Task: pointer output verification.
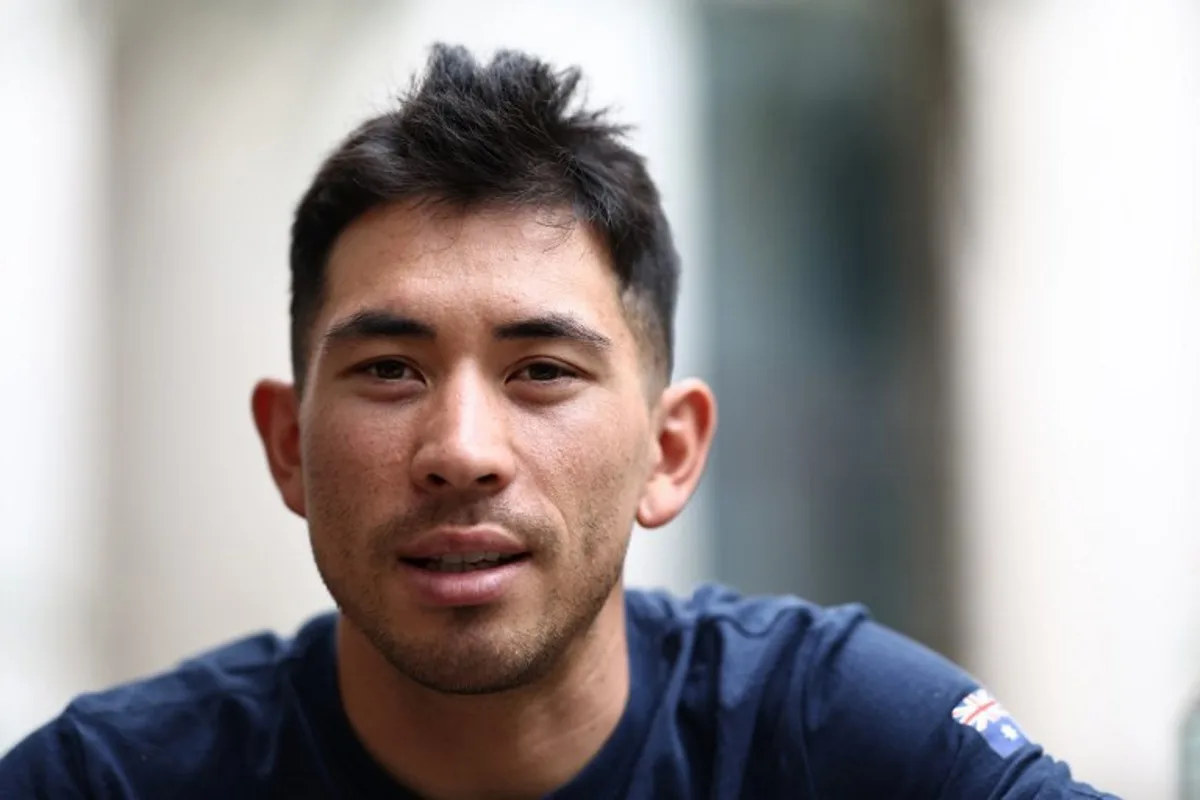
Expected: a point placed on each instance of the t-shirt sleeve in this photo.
(879, 715)
(45, 765)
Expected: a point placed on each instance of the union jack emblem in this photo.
(978, 710)
(983, 714)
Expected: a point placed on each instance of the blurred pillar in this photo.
(221, 111)
(1079, 368)
(53, 120)
(831, 470)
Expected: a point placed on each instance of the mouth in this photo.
(451, 580)
(466, 562)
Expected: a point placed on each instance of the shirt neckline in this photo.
(359, 775)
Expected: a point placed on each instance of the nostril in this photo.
(490, 481)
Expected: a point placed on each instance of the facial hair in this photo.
(482, 650)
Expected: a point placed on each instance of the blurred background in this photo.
(942, 269)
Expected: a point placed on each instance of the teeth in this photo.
(471, 558)
(464, 562)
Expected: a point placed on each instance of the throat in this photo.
(523, 743)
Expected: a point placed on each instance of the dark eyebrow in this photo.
(370, 324)
(378, 325)
(554, 326)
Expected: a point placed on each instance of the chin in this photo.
(474, 664)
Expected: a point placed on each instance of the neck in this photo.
(521, 743)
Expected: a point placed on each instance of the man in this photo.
(484, 289)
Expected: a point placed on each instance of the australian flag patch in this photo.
(983, 713)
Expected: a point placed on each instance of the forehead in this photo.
(486, 263)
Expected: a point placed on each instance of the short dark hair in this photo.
(507, 133)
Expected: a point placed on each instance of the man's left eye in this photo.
(545, 372)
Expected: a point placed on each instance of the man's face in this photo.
(474, 387)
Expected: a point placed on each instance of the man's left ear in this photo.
(687, 420)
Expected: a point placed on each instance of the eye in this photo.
(389, 369)
(546, 372)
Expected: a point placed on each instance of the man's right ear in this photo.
(276, 410)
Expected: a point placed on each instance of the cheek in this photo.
(351, 455)
(592, 460)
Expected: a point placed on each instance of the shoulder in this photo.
(716, 604)
(818, 651)
(162, 727)
(927, 727)
(772, 629)
(827, 701)
(230, 682)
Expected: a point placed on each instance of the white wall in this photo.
(1079, 318)
(225, 115)
(54, 382)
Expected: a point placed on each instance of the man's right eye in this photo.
(388, 370)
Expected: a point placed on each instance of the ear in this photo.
(277, 417)
(687, 421)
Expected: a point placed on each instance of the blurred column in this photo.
(829, 303)
(53, 112)
(221, 110)
(1079, 323)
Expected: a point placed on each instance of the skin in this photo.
(559, 434)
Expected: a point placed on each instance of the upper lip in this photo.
(458, 541)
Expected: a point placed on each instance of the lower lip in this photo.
(475, 588)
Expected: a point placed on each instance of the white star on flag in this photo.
(1009, 732)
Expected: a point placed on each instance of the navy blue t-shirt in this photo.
(732, 697)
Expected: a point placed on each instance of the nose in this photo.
(464, 443)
